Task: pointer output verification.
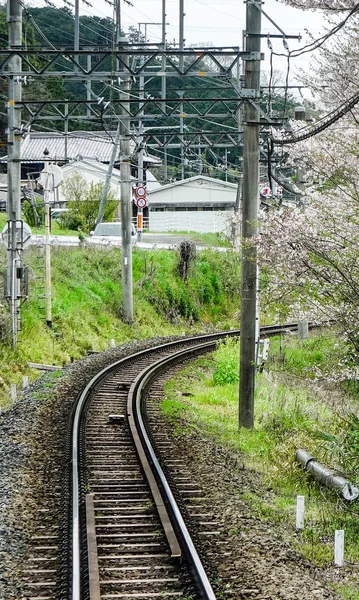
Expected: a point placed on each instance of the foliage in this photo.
(5, 323)
(34, 213)
(226, 362)
(311, 261)
(211, 289)
(83, 201)
(87, 304)
(289, 414)
(186, 254)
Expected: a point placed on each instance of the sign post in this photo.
(141, 203)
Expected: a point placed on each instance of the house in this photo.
(198, 203)
(63, 148)
(86, 152)
(92, 172)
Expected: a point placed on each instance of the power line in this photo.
(321, 125)
(320, 41)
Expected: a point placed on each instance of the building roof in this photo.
(92, 145)
(197, 179)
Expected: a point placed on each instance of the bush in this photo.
(34, 215)
(226, 361)
(83, 201)
(187, 253)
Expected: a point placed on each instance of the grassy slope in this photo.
(87, 304)
(291, 411)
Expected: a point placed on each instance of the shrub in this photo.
(226, 361)
(84, 199)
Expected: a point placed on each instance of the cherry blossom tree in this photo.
(327, 5)
(309, 257)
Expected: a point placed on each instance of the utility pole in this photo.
(249, 218)
(14, 224)
(47, 188)
(181, 30)
(126, 203)
(163, 81)
(77, 29)
(181, 94)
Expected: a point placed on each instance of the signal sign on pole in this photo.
(140, 191)
(266, 191)
(141, 202)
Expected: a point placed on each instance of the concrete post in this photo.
(250, 206)
(126, 203)
(13, 260)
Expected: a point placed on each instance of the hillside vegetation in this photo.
(87, 304)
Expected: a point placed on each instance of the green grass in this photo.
(55, 230)
(288, 415)
(87, 304)
(55, 227)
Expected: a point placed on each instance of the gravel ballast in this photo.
(258, 559)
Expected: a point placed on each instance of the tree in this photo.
(310, 257)
(83, 200)
(309, 260)
(332, 6)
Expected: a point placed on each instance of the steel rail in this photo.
(75, 552)
(135, 417)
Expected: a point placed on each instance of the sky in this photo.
(217, 22)
(221, 23)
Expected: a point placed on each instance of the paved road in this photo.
(149, 240)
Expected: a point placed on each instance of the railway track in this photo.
(124, 531)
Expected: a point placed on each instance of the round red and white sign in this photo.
(140, 191)
(141, 202)
(266, 191)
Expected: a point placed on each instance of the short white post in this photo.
(13, 392)
(303, 329)
(339, 548)
(25, 382)
(300, 513)
(112, 343)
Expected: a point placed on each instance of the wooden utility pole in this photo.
(250, 206)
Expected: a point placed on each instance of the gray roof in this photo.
(94, 145)
(182, 182)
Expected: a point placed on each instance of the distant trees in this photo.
(83, 200)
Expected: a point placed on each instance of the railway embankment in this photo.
(258, 550)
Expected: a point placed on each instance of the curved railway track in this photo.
(125, 528)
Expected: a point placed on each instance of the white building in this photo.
(198, 204)
(94, 172)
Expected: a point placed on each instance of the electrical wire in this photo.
(321, 125)
(286, 88)
(320, 41)
(83, 25)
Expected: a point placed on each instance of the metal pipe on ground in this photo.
(327, 476)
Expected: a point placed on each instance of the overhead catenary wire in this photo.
(321, 125)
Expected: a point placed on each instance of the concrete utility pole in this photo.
(163, 81)
(77, 28)
(250, 206)
(181, 94)
(47, 188)
(13, 260)
(126, 202)
(181, 30)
